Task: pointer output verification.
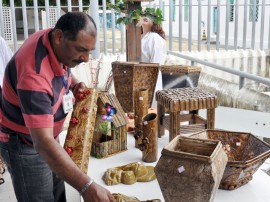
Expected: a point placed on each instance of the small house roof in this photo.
(120, 118)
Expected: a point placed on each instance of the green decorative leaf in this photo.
(154, 13)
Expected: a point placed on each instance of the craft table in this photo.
(257, 190)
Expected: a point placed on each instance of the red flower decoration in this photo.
(85, 110)
(74, 121)
(80, 96)
(70, 136)
(69, 150)
(88, 92)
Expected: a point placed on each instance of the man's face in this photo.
(71, 53)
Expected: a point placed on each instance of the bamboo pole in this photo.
(140, 110)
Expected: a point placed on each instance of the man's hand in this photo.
(96, 193)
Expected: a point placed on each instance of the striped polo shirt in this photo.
(33, 88)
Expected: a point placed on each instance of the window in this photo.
(173, 14)
(215, 20)
(251, 12)
(163, 9)
(231, 10)
(186, 10)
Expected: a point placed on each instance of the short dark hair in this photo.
(73, 22)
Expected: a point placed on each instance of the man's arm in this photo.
(60, 162)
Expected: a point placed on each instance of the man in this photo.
(35, 81)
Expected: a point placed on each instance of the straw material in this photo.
(131, 76)
(246, 153)
(81, 128)
(190, 169)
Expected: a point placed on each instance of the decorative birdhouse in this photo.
(110, 136)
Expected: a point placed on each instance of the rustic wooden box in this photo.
(179, 76)
(190, 169)
(246, 153)
(131, 76)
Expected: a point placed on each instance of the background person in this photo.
(35, 81)
(5, 56)
(153, 44)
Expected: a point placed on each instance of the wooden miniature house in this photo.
(111, 138)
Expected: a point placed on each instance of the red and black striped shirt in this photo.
(33, 88)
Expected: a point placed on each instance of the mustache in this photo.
(77, 61)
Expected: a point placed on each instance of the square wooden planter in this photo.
(246, 153)
(190, 169)
(129, 77)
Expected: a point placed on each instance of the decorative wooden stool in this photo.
(178, 100)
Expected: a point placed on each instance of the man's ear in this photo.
(58, 36)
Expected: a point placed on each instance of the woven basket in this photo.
(131, 76)
(179, 76)
(190, 169)
(246, 153)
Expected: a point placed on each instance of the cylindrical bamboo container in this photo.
(149, 140)
(140, 110)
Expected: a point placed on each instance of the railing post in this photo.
(1, 20)
(94, 14)
(241, 82)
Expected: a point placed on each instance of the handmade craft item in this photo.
(246, 153)
(129, 174)
(110, 136)
(171, 104)
(131, 76)
(149, 144)
(190, 169)
(123, 198)
(81, 128)
(140, 110)
(2, 170)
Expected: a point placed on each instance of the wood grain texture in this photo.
(190, 169)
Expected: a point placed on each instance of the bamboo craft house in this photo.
(115, 140)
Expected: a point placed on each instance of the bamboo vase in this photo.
(149, 141)
(140, 110)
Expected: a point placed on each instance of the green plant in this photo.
(103, 128)
(132, 15)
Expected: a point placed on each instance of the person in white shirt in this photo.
(153, 44)
(5, 56)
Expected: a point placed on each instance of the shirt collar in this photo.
(57, 67)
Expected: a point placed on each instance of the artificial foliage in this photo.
(132, 15)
